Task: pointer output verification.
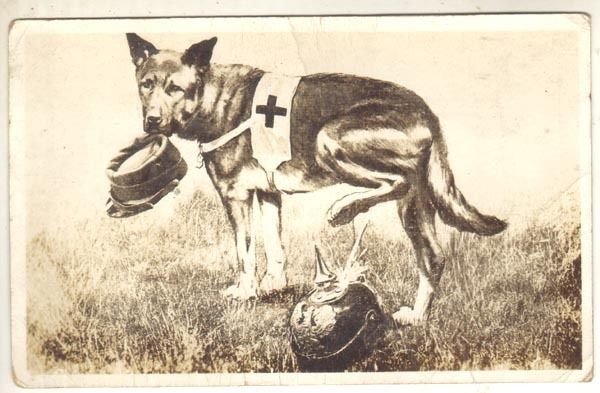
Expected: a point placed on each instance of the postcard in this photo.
(300, 200)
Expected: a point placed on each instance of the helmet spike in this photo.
(323, 275)
(354, 252)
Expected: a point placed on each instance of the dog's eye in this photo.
(147, 84)
(172, 89)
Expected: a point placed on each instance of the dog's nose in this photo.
(153, 120)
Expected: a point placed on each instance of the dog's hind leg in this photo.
(418, 218)
(239, 212)
(270, 206)
(366, 151)
(347, 208)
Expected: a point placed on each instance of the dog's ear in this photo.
(199, 54)
(139, 48)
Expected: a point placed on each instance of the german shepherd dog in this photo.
(367, 133)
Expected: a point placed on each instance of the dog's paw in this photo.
(407, 316)
(341, 214)
(273, 282)
(240, 292)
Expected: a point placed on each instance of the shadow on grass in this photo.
(286, 296)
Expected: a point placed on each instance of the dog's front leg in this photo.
(239, 212)
(270, 206)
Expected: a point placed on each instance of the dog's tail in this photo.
(451, 205)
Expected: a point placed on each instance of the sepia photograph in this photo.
(300, 200)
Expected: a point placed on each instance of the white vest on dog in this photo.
(269, 122)
(271, 110)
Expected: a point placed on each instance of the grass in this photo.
(111, 295)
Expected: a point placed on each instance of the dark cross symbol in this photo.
(270, 111)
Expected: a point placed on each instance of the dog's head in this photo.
(169, 82)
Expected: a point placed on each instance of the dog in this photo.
(367, 133)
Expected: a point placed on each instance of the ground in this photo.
(105, 295)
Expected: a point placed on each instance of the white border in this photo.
(216, 25)
(78, 8)
(300, 24)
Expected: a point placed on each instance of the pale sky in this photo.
(508, 102)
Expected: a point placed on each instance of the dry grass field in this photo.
(106, 296)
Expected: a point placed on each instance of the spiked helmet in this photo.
(338, 321)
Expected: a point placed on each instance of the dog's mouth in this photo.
(159, 129)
